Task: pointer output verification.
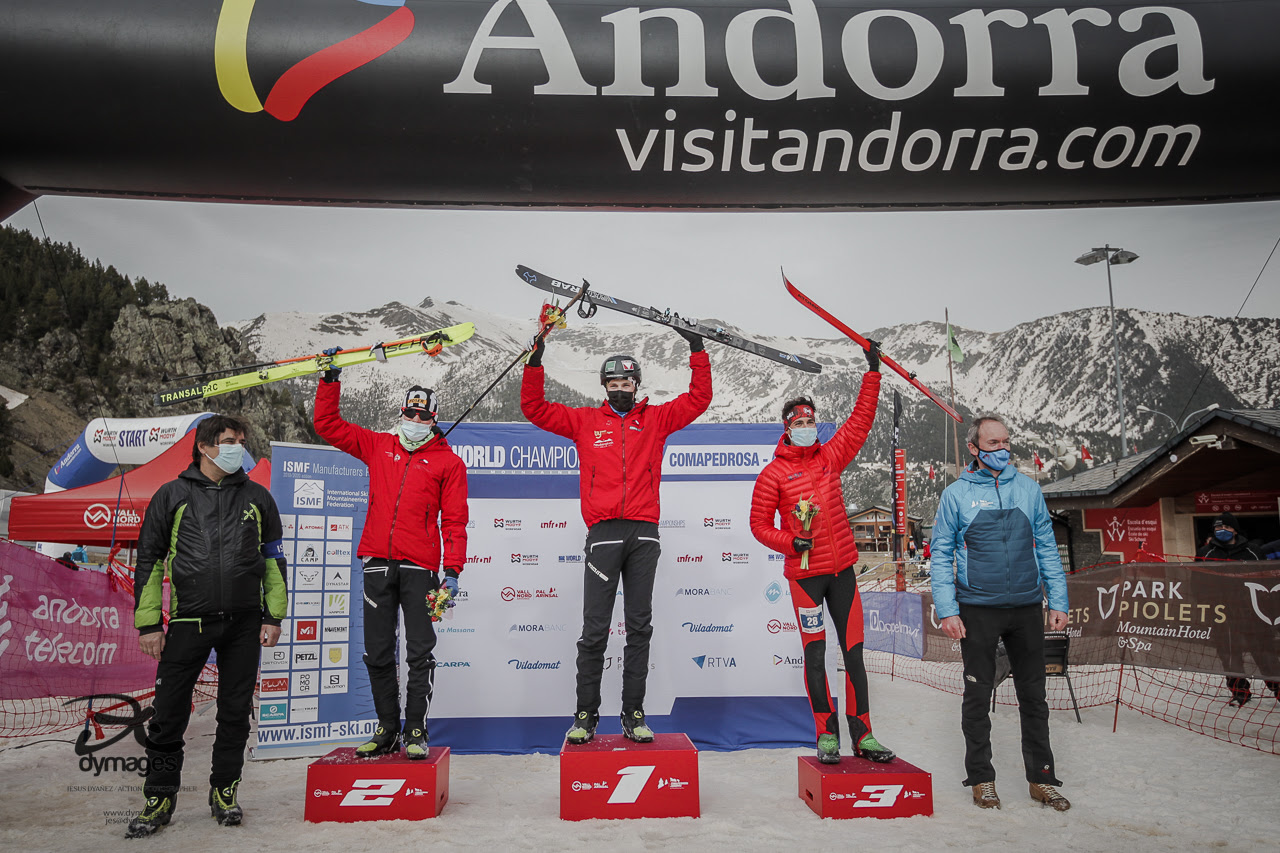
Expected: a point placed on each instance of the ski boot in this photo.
(385, 739)
(828, 748)
(415, 742)
(223, 805)
(870, 749)
(583, 728)
(156, 813)
(634, 728)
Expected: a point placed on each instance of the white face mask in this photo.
(804, 436)
(415, 430)
(229, 459)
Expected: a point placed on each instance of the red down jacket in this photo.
(619, 457)
(417, 501)
(813, 473)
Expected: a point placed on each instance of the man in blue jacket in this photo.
(995, 559)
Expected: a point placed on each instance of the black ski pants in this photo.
(187, 645)
(624, 550)
(391, 586)
(1022, 629)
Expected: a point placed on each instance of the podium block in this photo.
(612, 777)
(344, 788)
(859, 788)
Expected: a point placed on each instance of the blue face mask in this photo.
(996, 460)
(229, 458)
(1223, 535)
(804, 436)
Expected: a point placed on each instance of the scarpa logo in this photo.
(453, 663)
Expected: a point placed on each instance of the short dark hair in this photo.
(208, 430)
(798, 401)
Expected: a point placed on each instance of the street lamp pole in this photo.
(1110, 256)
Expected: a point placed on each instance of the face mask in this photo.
(414, 430)
(229, 458)
(804, 436)
(996, 460)
(1223, 535)
(622, 401)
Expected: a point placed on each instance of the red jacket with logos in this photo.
(619, 456)
(813, 473)
(417, 501)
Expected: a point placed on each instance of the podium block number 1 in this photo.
(632, 783)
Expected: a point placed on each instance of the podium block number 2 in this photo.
(372, 792)
(631, 784)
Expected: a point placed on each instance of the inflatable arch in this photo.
(109, 442)
(544, 103)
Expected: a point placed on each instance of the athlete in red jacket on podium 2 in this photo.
(820, 561)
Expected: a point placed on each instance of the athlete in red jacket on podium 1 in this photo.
(620, 445)
(416, 523)
(804, 469)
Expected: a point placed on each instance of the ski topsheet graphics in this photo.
(592, 298)
(430, 343)
(865, 344)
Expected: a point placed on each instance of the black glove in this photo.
(537, 345)
(873, 356)
(694, 339)
(801, 545)
(331, 375)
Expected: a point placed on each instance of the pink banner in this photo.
(63, 632)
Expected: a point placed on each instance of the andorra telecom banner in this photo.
(726, 657)
(691, 103)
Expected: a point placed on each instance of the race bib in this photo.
(810, 619)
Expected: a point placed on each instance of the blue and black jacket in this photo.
(993, 545)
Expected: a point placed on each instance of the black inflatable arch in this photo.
(688, 104)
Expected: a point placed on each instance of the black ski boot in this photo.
(385, 739)
(633, 726)
(583, 728)
(156, 813)
(223, 805)
(415, 742)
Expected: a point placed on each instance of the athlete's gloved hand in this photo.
(536, 346)
(873, 356)
(451, 584)
(801, 544)
(694, 339)
(331, 375)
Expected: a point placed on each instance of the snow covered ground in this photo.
(1149, 787)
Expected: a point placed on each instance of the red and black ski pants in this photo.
(839, 592)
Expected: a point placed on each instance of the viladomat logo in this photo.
(296, 86)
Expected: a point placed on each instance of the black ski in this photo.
(592, 298)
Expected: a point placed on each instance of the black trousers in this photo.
(391, 587)
(186, 651)
(624, 550)
(1022, 629)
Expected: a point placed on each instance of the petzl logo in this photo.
(1107, 600)
(295, 87)
(1254, 589)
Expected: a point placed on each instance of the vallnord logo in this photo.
(304, 79)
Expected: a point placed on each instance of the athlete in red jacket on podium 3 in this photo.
(804, 469)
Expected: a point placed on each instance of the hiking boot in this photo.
(985, 796)
(1047, 795)
(634, 728)
(583, 728)
(828, 748)
(156, 813)
(870, 749)
(223, 805)
(385, 739)
(415, 743)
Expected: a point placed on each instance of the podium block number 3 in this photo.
(879, 795)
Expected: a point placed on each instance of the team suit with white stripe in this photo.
(416, 522)
(620, 470)
(995, 560)
(813, 473)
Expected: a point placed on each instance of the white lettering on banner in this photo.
(98, 516)
(879, 625)
(717, 459)
(57, 610)
(482, 455)
(55, 650)
(632, 783)
(544, 457)
(372, 792)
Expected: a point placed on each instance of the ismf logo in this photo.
(299, 83)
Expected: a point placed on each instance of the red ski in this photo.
(865, 344)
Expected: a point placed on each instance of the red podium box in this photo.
(343, 788)
(612, 777)
(859, 788)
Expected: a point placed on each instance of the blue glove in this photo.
(451, 584)
(331, 375)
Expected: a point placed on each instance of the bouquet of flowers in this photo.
(438, 601)
(805, 510)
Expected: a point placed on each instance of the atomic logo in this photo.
(299, 83)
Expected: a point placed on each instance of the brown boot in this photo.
(985, 796)
(1047, 795)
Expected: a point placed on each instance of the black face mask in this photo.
(622, 401)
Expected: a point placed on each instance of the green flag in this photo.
(952, 344)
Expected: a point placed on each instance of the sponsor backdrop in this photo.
(726, 661)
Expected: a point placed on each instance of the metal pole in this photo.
(1115, 342)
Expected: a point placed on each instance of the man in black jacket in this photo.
(216, 535)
